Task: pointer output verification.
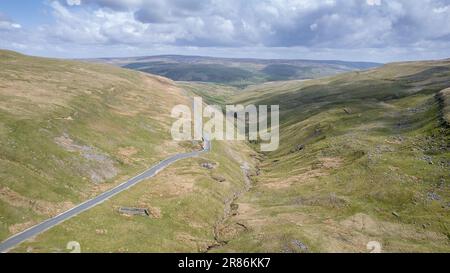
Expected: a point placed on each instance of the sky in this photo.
(353, 30)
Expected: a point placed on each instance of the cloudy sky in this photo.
(370, 30)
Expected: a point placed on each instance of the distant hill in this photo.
(234, 71)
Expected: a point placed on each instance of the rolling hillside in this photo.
(364, 156)
(70, 130)
(236, 72)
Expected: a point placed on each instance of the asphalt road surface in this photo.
(39, 228)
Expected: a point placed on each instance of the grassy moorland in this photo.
(70, 130)
(188, 205)
(212, 93)
(364, 156)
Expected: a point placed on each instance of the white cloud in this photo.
(100, 26)
(271, 23)
(73, 2)
(281, 25)
(6, 24)
(442, 9)
(373, 2)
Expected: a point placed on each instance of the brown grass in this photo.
(40, 207)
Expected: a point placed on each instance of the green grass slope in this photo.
(212, 93)
(69, 130)
(188, 205)
(364, 157)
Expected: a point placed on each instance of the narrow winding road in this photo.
(39, 228)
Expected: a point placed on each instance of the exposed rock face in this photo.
(97, 166)
(443, 99)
